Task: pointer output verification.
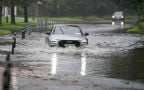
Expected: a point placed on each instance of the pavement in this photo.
(1, 77)
(5, 42)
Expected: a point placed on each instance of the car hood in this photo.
(67, 37)
(118, 16)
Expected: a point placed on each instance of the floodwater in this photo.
(111, 60)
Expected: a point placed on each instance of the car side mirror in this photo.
(48, 33)
(86, 34)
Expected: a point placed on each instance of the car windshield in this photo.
(118, 13)
(67, 30)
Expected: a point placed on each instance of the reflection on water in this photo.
(83, 64)
(129, 67)
(121, 26)
(54, 63)
(67, 64)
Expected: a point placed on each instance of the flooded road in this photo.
(111, 61)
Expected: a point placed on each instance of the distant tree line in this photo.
(75, 7)
(91, 7)
(136, 6)
(80, 7)
(12, 4)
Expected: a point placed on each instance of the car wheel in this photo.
(51, 45)
(61, 44)
(77, 44)
(87, 41)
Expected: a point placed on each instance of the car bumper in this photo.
(57, 43)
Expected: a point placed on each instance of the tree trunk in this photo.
(25, 14)
(7, 19)
(0, 15)
(12, 14)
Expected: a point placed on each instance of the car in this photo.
(118, 16)
(66, 35)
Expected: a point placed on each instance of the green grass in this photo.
(139, 27)
(77, 18)
(4, 32)
(131, 17)
(6, 28)
(11, 26)
(63, 18)
(20, 22)
(72, 19)
(98, 18)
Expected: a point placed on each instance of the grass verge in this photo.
(4, 32)
(137, 28)
(7, 28)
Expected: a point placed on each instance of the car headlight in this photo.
(54, 40)
(113, 16)
(84, 41)
(122, 17)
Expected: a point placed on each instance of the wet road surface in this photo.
(111, 61)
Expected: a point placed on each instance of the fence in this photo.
(48, 23)
(8, 65)
(28, 28)
(45, 23)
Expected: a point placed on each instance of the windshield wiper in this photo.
(61, 30)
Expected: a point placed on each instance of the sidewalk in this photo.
(1, 77)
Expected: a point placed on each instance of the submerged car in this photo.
(118, 16)
(66, 35)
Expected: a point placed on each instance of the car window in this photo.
(118, 13)
(67, 30)
(58, 30)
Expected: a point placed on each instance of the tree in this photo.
(25, 14)
(0, 12)
(25, 4)
(2, 2)
(142, 9)
(12, 13)
(136, 5)
(12, 4)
